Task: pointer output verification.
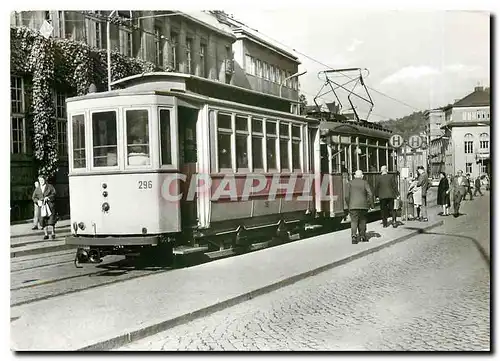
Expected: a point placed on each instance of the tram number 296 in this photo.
(145, 184)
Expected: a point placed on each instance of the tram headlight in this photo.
(105, 207)
(104, 186)
(105, 194)
(81, 225)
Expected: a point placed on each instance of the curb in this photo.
(124, 339)
(39, 232)
(30, 252)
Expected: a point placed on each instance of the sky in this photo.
(423, 59)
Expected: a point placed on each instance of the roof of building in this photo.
(243, 31)
(209, 21)
(480, 97)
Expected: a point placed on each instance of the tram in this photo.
(176, 164)
(184, 164)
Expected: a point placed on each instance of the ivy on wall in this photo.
(60, 62)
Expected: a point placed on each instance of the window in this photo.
(296, 147)
(104, 139)
(382, 157)
(372, 159)
(241, 142)
(248, 64)
(469, 143)
(284, 140)
(128, 36)
(189, 56)
(17, 123)
(254, 66)
(203, 67)
(165, 138)
(159, 46)
(224, 131)
(272, 74)
(257, 139)
(174, 45)
(484, 141)
(278, 76)
(78, 129)
(137, 137)
(259, 68)
(271, 145)
(468, 167)
(100, 35)
(265, 70)
(62, 124)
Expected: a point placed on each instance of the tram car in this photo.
(176, 164)
(347, 145)
(185, 164)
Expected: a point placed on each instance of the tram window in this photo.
(271, 153)
(271, 128)
(258, 161)
(362, 159)
(165, 136)
(381, 157)
(296, 155)
(224, 144)
(241, 123)
(257, 125)
(354, 158)
(284, 155)
(284, 131)
(137, 137)
(79, 141)
(224, 121)
(372, 159)
(241, 151)
(104, 139)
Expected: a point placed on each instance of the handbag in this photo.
(45, 210)
(397, 204)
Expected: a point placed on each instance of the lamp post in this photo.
(108, 41)
(290, 77)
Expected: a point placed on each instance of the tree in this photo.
(302, 104)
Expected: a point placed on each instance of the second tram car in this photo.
(176, 164)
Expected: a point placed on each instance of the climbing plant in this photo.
(53, 63)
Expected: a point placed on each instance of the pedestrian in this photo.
(443, 196)
(450, 189)
(416, 193)
(48, 211)
(459, 184)
(359, 199)
(423, 183)
(477, 184)
(37, 202)
(468, 188)
(386, 190)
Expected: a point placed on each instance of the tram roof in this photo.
(353, 128)
(194, 84)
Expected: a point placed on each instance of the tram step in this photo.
(182, 250)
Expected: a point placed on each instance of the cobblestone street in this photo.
(430, 292)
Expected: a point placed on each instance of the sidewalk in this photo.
(110, 316)
(25, 229)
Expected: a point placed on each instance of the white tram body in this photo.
(131, 150)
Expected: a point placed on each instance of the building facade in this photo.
(465, 144)
(260, 65)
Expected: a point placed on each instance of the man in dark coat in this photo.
(359, 199)
(477, 184)
(386, 190)
(459, 185)
(423, 181)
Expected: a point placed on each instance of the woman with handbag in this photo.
(47, 207)
(443, 195)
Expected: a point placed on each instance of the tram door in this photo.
(187, 118)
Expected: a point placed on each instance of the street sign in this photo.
(46, 29)
(415, 141)
(396, 140)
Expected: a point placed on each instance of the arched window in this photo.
(468, 143)
(484, 141)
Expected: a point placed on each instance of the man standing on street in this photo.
(459, 184)
(423, 181)
(469, 186)
(386, 190)
(359, 199)
(477, 185)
